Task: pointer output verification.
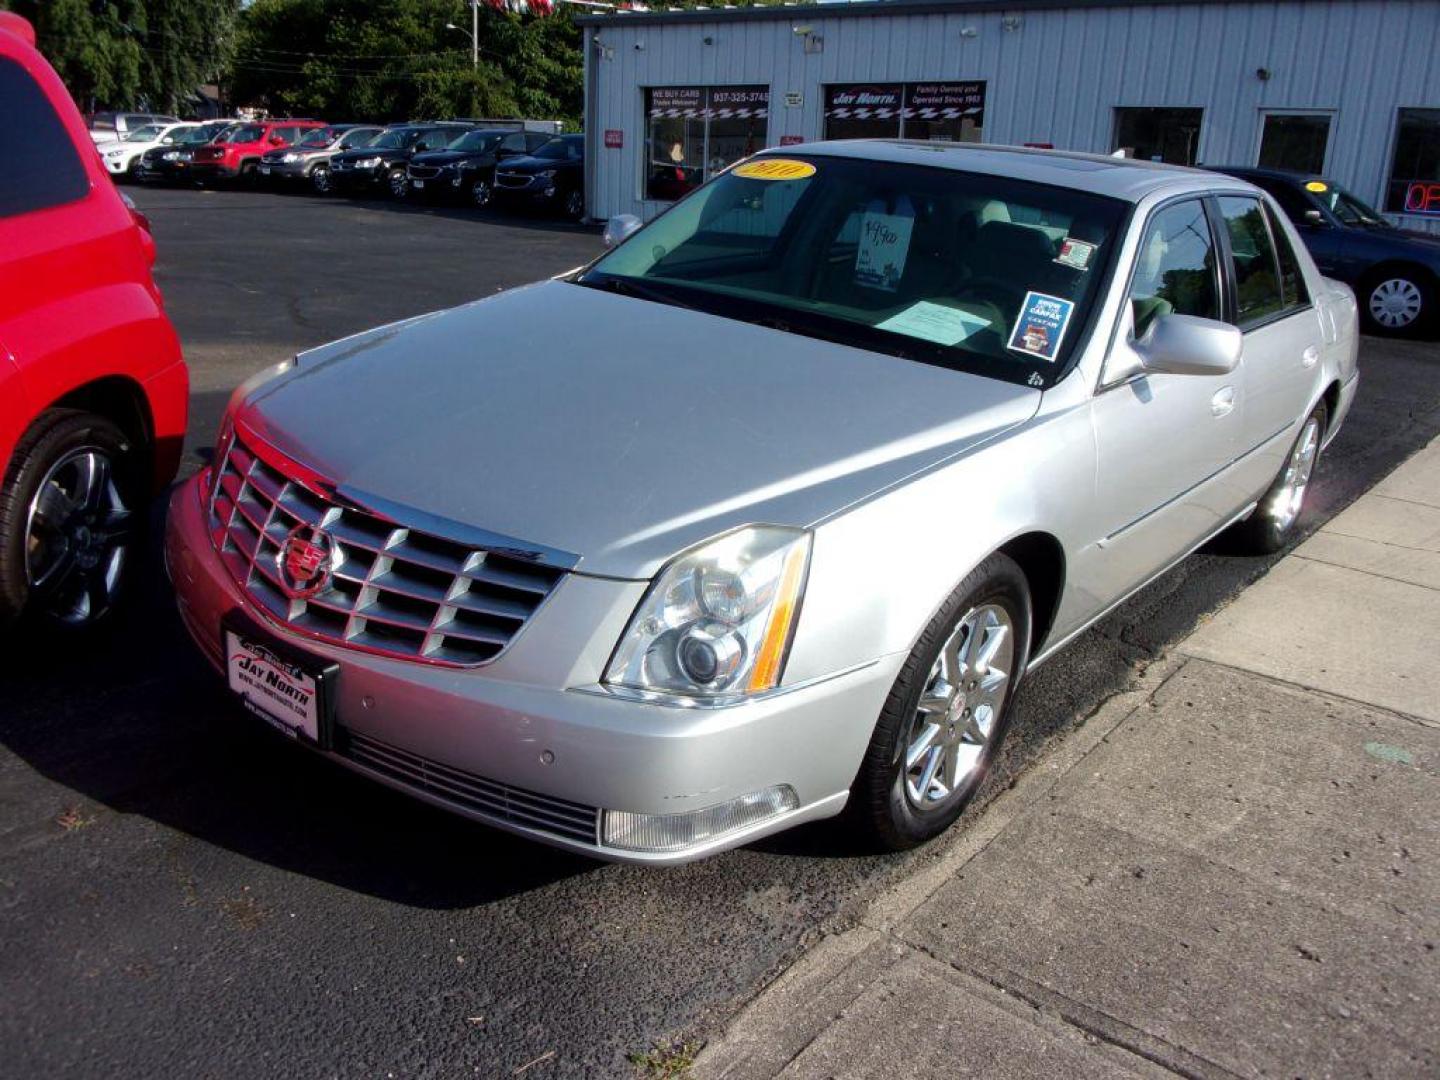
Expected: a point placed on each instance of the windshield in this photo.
(193, 136)
(482, 141)
(318, 138)
(983, 273)
(559, 150)
(1347, 207)
(148, 133)
(244, 133)
(395, 139)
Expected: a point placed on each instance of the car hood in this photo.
(617, 429)
(442, 157)
(1428, 242)
(534, 164)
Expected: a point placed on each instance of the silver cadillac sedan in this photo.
(765, 514)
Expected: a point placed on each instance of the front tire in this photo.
(482, 191)
(69, 521)
(948, 712)
(320, 181)
(574, 207)
(1273, 524)
(398, 183)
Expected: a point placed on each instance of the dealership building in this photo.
(1347, 88)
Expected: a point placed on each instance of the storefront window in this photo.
(1170, 135)
(1294, 141)
(1415, 171)
(692, 132)
(950, 111)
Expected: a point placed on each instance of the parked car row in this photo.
(476, 163)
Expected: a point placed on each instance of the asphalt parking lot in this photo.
(185, 894)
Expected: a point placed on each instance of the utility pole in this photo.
(474, 35)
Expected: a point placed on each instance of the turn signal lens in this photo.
(675, 832)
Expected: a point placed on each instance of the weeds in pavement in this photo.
(73, 818)
(672, 1062)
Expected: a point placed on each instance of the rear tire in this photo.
(948, 712)
(1397, 302)
(1275, 520)
(71, 519)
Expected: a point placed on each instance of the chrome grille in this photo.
(515, 180)
(393, 589)
(486, 797)
(424, 172)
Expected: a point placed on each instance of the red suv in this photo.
(237, 154)
(93, 389)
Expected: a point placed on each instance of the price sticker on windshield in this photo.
(1041, 326)
(775, 169)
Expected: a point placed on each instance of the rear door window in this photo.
(1292, 281)
(41, 167)
(1257, 281)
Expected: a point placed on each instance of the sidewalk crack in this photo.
(1370, 573)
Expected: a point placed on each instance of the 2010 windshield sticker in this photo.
(1041, 326)
(1075, 254)
(884, 244)
(775, 169)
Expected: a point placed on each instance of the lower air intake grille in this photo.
(487, 797)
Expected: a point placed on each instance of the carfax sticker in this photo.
(775, 169)
(1075, 254)
(1041, 326)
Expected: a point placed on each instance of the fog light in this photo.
(549, 192)
(674, 832)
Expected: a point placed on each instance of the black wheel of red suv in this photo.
(70, 517)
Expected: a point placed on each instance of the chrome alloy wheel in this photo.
(399, 183)
(959, 706)
(1284, 505)
(480, 192)
(320, 179)
(1395, 304)
(76, 537)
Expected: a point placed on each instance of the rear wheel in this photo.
(1274, 521)
(948, 711)
(1397, 302)
(69, 520)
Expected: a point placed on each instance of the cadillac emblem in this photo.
(305, 561)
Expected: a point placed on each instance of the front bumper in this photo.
(118, 166)
(212, 170)
(283, 170)
(353, 177)
(521, 728)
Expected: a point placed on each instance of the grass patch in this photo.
(669, 1062)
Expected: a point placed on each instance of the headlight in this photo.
(545, 174)
(717, 623)
(367, 163)
(171, 155)
(115, 153)
(288, 158)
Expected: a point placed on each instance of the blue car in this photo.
(1395, 272)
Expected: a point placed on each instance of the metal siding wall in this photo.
(1058, 78)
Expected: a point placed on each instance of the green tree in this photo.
(392, 59)
(132, 53)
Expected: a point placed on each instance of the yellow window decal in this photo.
(775, 169)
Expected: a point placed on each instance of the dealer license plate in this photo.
(264, 170)
(288, 695)
(418, 183)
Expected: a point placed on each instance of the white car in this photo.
(121, 156)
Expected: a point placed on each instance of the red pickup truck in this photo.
(93, 389)
(237, 155)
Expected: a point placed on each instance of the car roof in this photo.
(1245, 172)
(1121, 178)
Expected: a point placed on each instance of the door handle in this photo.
(1310, 357)
(1223, 401)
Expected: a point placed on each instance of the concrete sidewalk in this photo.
(1232, 871)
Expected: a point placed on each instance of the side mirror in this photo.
(276, 140)
(1187, 345)
(1313, 219)
(619, 228)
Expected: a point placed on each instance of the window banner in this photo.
(945, 101)
(879, 101)
(684, 101)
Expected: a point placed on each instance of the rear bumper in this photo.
(442, 734)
